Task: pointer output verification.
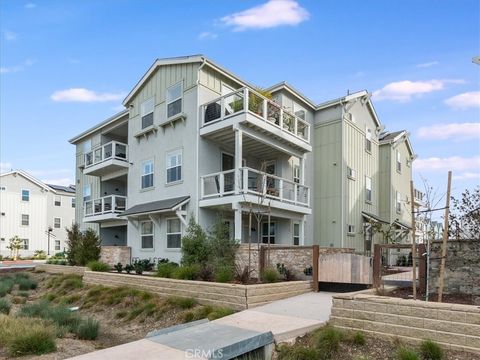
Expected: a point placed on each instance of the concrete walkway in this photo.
(229, 336)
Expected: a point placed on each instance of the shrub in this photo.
(6, 286)
(224, 273)
(285, 272)
(270, 275)
(87, 329)
(242, 275)
(165, 270)
(181, 302)
(222, 246)
(74, 242)
(430, 350)
(327, 341)
(59, 315)
(98, 266)
(83, 247)
(195, 247)
(39, 255)
(129, 268)
(219, 312)
(5, 306)
(296, 352)
(188, 272)
(359, 338)
(26, 284)
(206, 273)
(139, 267)
(405, 353)
(118, 267)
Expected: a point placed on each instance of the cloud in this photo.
(30, 6)
(9, 35)
(84, 95)
(271, 14)
(5, 166)
(65, 181)
(465, 100)
(206, 35)
(427, 64)
(403, 91)
(454, 163)
(467, 176)
(455, 131)
(16, 68)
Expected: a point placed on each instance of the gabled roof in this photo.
(285, 86)
(68, 189)
(156, 206)
(344, 99)
(97, 127)
(395, 136)
(29, 178)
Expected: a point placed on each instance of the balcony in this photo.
(256, 187)
(104, 209)
(106, 159)
(263, 116)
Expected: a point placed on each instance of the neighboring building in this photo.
(29, 208)
(420, 218)
(196, 140)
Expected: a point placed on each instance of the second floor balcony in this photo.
(105, 208)
(262, 115)
(105, 159)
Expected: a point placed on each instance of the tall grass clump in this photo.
(183, 303)
(224, 273)
(297, 352)
(6, 286)
(165, 270)
(359, 338)
(327, 341)
(5, 306)
(25, 283)
(186, 272)
(405, 353)
(430, 350)
(270, 275)
(98, 266)
(60, 315)
(87, 329)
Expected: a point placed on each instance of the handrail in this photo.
(100, 206)
(93, 157)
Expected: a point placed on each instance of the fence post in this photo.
(422, 268)
(315, 256)
(377, 265)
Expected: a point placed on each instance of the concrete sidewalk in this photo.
(230, 336)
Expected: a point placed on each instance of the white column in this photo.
(302, 232)
(302, 170)
(238, 159)
(238, 224)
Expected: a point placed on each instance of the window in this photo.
(73, 202)
(146, 112)
(147, 234)
(399, 161)
(174, 166)
(57, 223)
(265, 232)
(174, 99)
(147, 174)
(296, 174)
(299, 111)
(25, 244)
(351, 173)
(368, 140)
(398, 205)
(25, 219)
(58, 200)
(87, 192)
(368, 189)
(25, 195)
(57, 245)
(350, 229)
(87, 146)
(296, 234)
(174, 234)
(3, 188)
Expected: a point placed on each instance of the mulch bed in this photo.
(407, 293)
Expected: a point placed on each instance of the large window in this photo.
(57, 245)
(25, 245)
(73, 202)
(398, 203)
(87, 146)
(146, 112)
(368, 140)
(265, 232)
(368, 189)
(174, 99)
(87, 192)
(399, 161)
(296, 174)
(58, 200)
(25, 219)
(25, 195)
(147, 174)
(174, 166)
(174, 234)
(57, 223)
(299, 111)
(296, 233)
(147, 234)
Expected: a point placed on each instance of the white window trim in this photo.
(55, 200)
(367, 179)
(274, 223)
(398, 161)
(59, 245)
(28, 219)
(169, 101)
(296, 177)
(368, 138)
(174, 152)
(21, 195)
(351, 173)
(145, 174)
(293, 233)
(28, 244)
(143, 113)
(174, 233)
(152, 235)
(398, 202)
(89, 186)
(54, 223)
(350, 229)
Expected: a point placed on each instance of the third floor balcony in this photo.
(106, 158)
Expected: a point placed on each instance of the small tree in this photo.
(222, 246)
(74, 240)
(195, 247)
(89, 249)
(15, 244)
(465, 216)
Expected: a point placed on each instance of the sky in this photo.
(67, 65)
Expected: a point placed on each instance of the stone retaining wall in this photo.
(235, 296)
(451, 325)
(113, 255)
(61, 269)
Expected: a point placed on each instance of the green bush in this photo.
(195, 247)
(181, 302)
(165, 270)
(87, 329)
(118, 267)
(359, 338)
(6, 286)
(327, 341)
(26, 284)
(430, 350)
(224, 273)
(219, 312)
(187, 272)
(5, 306)
(270, 275)
(25, 294)
(60, 315)
(296, 352)
(98, 266)
(83, 246)
(222, 246)
(129, 268)
(405, 353)
(39, 255)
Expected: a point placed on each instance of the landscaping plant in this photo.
(359, 338)
(195, 247)
(405, 353)
(129, 268)
(118, 267)
(187, 272)
(224, 273)
(87, 329)
(270, 275)
(430, 350)
(5, 306)
(327, 341)
(165, 270)
(98, 266)
(83, 246)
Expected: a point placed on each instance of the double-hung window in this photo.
(57, 245)
(57, 223)
(147, 234)
(58, 200)
(399, 162)
(73, 202)
(368, 189)
(25, 219)
(146, 112)
(174, 233)
(296, 174)
(350, 229)
(368, 140)
(25, 195)
(296, 233)
(268, 232)
(25, 244)
(87, 192)
(398, 203)
(147, 174)
(351, 173)
(174, 166)
(174, 99)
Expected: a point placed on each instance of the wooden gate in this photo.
(345, 268)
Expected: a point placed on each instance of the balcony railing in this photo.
(111, 204)
(248, 100)
(255, 182)
(112, 150)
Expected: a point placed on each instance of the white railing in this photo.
(252, 181)
(248, 100)
(110, 204)
(110, 150)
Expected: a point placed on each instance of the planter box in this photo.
(61, 269)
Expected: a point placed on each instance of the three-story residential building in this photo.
(196, 140)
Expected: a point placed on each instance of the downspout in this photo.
(343, 199)
(199, 116)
